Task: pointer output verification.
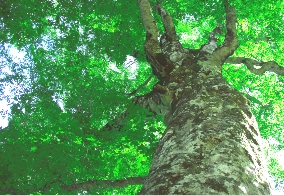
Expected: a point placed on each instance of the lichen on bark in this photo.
(212, 144)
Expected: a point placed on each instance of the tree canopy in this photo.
(84, 62)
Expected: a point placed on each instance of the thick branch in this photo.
(167, 22)
(252, 64)
(151, 45)
(148, 19)
(160, 64)
(231, 42)
(169, 41)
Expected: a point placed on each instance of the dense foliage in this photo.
(77, 74)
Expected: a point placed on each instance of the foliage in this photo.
(75, 53)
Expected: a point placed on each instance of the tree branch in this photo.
(155, 101)
(231, 42)
(161, 66)
(271, 66)
(148, 19)
(169, 41)
(88, 185)
(141, 86)
(167, 22)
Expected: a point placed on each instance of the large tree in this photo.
(85, 120)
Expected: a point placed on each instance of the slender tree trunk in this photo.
(212, 142)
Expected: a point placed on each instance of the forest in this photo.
(148, 97)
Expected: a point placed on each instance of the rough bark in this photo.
(212, 143)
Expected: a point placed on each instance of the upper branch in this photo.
(169, 41)
(167, 22)
(251, 63)
(231, 42)
(148, 19)
(160, 64)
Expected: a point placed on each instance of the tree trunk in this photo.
(212, 142)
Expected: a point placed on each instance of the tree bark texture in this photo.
(212, 143)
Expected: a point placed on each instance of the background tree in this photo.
(73, 126)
